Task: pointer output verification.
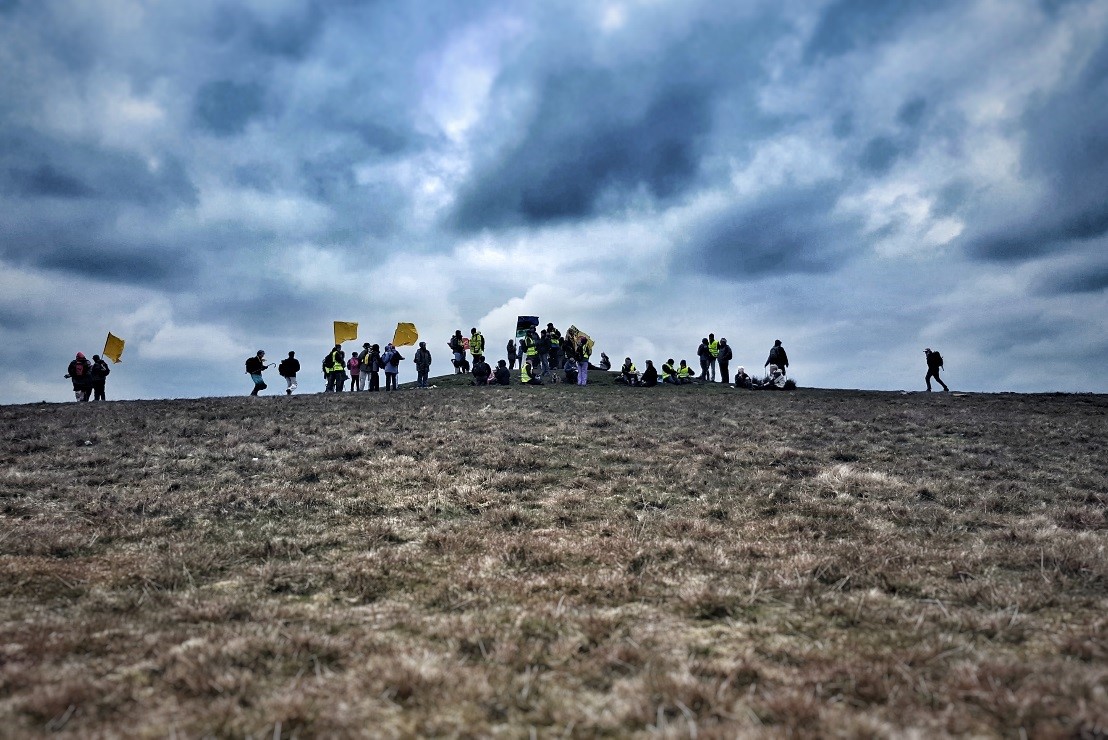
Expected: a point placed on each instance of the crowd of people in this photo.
(543, 356)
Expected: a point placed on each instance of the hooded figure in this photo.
(80, 373)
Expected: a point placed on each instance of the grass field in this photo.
(693, 561)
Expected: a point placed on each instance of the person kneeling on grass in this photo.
(481, 370)
(502, 374)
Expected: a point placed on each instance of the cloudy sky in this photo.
(860, 179)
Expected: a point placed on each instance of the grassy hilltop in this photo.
(602, 561)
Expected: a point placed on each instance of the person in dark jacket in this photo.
(255, 366)
(80, 374)
(512, 354)
(934, 363)
(724, 359)
(502, 374)
(99, 373)
(777, 357)
(288, 369)
(481, 370)
(705, 356)
(649, 375)
(422, 364)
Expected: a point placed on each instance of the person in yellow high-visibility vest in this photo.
(476, 343)
(713, 354)
(684, 373)
(669, 372)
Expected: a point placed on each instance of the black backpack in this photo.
(937, 359)
(775, 355)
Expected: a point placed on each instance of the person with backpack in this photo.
(255, 366)
(355, 367)
(390, 359)
(288, 369)
(724, 360)
(422, 365)
(777, 357)
(457, 347)
(934, 363)
(476, 343)
(99, 374)
(80, 374)
(334, 369)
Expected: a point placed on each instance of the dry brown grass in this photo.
(687, 561)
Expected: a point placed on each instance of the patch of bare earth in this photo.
(692, 561)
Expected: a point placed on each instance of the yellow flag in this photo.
(405, 334)
(113, 348)
(345, 331)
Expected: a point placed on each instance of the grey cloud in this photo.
(848, 25)
(785, 232)
(225, 107)
(1081, 279)
(1067, 146)
(911, 112)
(879, 155)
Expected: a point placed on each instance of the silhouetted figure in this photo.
(778, 357)
(934, 363)
(99, 373)
(288, 369)
(255, 366)
(80, 373)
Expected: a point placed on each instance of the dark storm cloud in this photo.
(850, 25)
(1081, 279)
(1067, 146)
(225, 107)
(785, 232)
(582, 146)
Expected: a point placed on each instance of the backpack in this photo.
(775, 355)
(937, 359)
(78, 369)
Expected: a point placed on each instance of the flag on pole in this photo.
(405, 334)
(525, 324)
(113, 348)
(345, 331)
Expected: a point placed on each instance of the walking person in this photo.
(99, 374)
(255, 366)
(724, 360)
(288, 369)
(80, 374)
(777, 357)
(422, 365)
(363, 363)
(390, 359)
(512, 354)
(934, 363)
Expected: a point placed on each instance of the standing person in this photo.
(255, 366)
(80, 373)
(476, 343)
(373, 362)
(391, 358)
(583, 354)
(777, 356)
(355, 367)
(543, 347)
(288, 369)
(363, 363)
(724, 360)
(99, 375)
(334, 369)
(704, 354)
(934, 363)
(422, 365)
(713, 355)
(511, 354)
(555, 338)
(457, 348)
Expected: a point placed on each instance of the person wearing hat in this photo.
(80, 373)
(723, 358)
(934, 362)
(422, 365)
(99, 373)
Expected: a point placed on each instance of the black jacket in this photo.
(289, 366)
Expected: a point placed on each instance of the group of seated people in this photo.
(683, 374)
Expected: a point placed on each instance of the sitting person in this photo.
(628, 374)
(527, 374)
(776, 379)
(669, 372)
(605, 363)
(502, 374)
(570, 369)
(481, 370)
(649, 375)
(684, 373)
(742, 380)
